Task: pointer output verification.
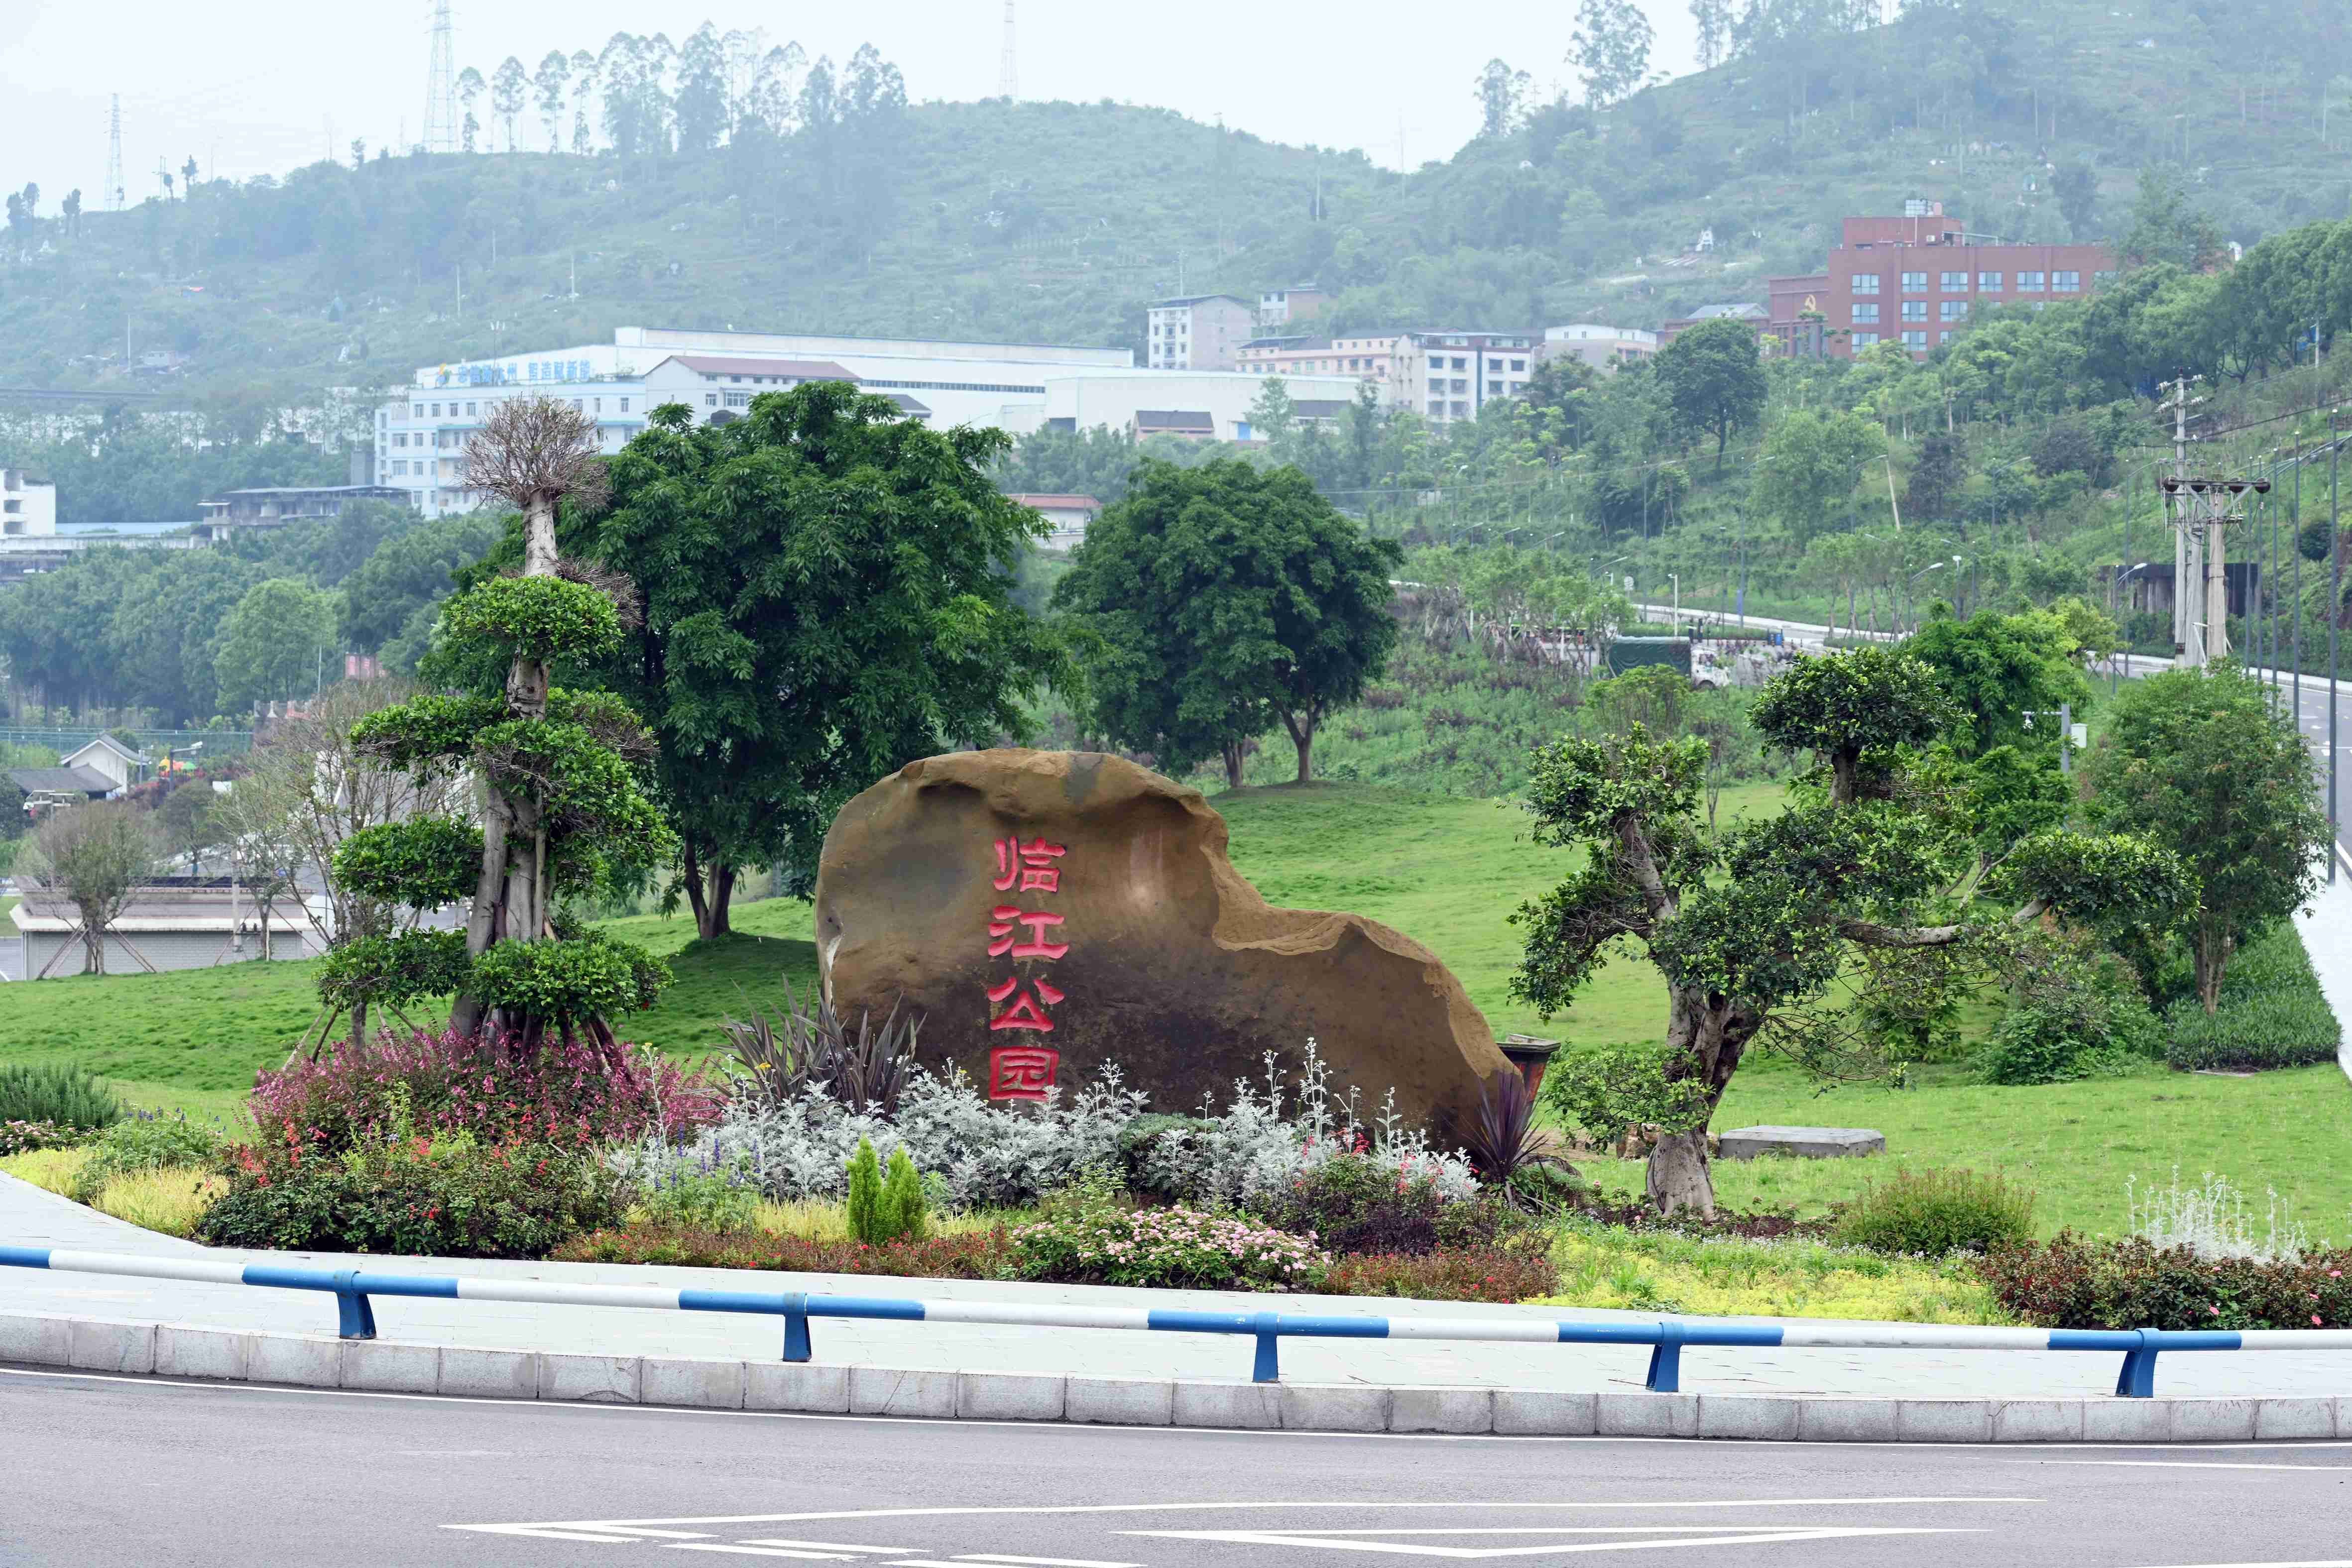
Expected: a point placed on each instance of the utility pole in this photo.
(115, 195)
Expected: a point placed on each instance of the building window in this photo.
(2030, 282)
(1518, 365)
(1866, 283)
(1865, 340)
(738, 399)
(416, 412)
(1988, 282)
(1437, 411)
(1915, 340)
(625, 405)
(1865, 311)
(1914, 283)
(1943, 336)
(1915, 311)
(1955, 309)
(1494, 389)
(1459, 364)
(2066, 283)
(710, 400)
(1955, 283)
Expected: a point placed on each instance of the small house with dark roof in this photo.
(110, 759)
(274, 506)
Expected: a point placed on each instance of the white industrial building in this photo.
(421, 434)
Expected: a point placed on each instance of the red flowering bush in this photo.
(571, 1096)
(2071, 1283)
(1447, 1274)
(963, 1256)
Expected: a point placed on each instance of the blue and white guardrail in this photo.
(1666, 1337)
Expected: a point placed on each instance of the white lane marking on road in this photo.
(1040, 1562)
(829, 1546)
(2299, 1563)
(741, 1551)
(2184, 1465)
(1669, 1535)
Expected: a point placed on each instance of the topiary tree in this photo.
(1758, 928)
(557, 783)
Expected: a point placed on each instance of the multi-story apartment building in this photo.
(1442, 376)
(27, 505)
(1281, 307)
(1603, 348)
(1918, 279)
(1199, 332)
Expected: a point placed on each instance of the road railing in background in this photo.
(1667, 1338)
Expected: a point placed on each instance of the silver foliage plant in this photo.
(976, 1154)
(1255, 1148)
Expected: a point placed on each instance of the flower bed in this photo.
(1099, 1244)
(2073, 1282)
(968, 1255)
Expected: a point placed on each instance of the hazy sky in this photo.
(253, 86)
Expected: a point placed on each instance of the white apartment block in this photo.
(1442, 376)
(1601, 347)
(1199, 332)
(27, 505)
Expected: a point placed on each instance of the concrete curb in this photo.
(386, 1366)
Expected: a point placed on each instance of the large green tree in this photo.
(278, 643)
(2001, 669)
(823, 594)
(2209, 765)
(1714, 378)
(1752, 929)
(1809, 467)
(1225, 597)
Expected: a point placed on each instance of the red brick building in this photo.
(1917, 279)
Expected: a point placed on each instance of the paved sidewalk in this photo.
(30, 1216)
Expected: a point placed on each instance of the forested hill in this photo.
(840, 207)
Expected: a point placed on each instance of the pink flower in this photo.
(2315, 1320)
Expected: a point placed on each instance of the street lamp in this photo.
(1678, 603)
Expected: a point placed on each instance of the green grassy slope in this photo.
(1057, 221)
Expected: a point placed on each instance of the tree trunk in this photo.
(1678, 1177)
(2213, 951)
(1302, 736)
(1232, 752)
(359, 1026)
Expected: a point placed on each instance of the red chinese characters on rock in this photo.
(1021, 1003)
(1021, 1072)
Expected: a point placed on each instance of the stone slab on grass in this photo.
(1804, 1143)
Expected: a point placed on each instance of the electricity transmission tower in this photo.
(441, 85)
(115, 195)
(1008, 79)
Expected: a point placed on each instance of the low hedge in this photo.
(2272, 1013)
(2073, 1282)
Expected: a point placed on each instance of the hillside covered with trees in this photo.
(725, 182)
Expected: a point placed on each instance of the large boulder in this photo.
(1051, 914)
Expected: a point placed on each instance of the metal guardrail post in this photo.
(1667, 1360)
(1268, 1368)
(358, 1314)
(2136, 1378)
(796, 1330)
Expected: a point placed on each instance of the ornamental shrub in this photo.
(1447, 1274)
(450, 1196)
(590, 976)
(145, 1143)
(2272, 1013)
(569, 1095)
(864, 1202)
(2075, 1282)
(901, 1212)
(1353, 1203)
(1094, 1241)
(425, 861)
(2070, 1019)
(964, 1255)
(717, 1201)
(1935, 1212)
(1609, 1088)
(31, 1137)
(59, 1092)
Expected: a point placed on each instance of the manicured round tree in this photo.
(557, 778)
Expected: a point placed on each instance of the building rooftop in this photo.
(1057, 502)
(806, 370)
(1200, 299)
(60, 780)
(1737, 311)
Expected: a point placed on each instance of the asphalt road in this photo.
(130, 1471)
